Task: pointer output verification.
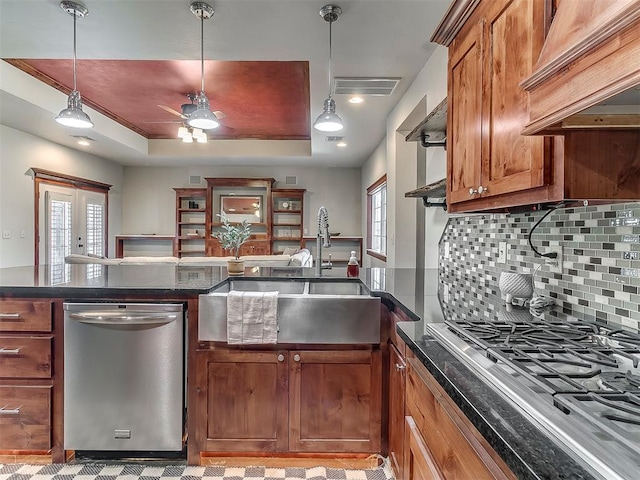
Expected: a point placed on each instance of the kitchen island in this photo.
(526, 451)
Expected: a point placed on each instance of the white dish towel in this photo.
(252, 317)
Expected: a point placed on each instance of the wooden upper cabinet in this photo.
(487, 156)
(464, 129)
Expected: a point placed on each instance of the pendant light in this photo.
(73, 116)
(202, 117)
(329, 121)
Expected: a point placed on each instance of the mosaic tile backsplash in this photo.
(601, 259)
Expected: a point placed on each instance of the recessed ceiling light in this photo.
(83, 140)
(356, 99)
(341, 144)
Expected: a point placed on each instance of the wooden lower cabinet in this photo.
(440, 440)
(419, 463)
(247, 400)
(25, 418)
(335, 401)
(27, 379)
(397, 381)
(289, 401)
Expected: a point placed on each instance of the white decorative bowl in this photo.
(515, 285)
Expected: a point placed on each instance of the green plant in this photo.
(232, 236)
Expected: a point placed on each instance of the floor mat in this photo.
(98, 471)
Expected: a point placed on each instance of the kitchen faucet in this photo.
(323, 234)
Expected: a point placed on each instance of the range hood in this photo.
(588, 73)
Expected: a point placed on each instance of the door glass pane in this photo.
(60, 238)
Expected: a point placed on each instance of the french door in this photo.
(71, 221)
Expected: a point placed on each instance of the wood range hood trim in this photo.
(590, 55)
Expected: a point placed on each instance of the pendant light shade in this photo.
(202, 117)
(73, 116)
(329, 121)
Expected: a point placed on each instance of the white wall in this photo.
(149, 199)
(19, 152)
(375, 168)
(431, 83)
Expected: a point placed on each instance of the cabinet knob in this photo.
(296, 357)
(281, 358)
(472, 192)
(482, 189)
(400, 368)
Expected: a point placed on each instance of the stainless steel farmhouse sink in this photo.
(309, 310)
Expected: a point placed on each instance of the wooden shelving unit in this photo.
(190, 222)
(288, 214)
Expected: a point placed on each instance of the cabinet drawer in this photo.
(25, 316)
(419, 461)
(457, 448)
(25, 357)
(25, 418)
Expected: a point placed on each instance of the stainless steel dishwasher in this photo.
(123, 376)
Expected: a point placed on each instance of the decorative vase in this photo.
(235, 266)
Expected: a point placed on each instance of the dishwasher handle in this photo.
(119, 318)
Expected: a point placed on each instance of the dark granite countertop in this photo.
(527, 451)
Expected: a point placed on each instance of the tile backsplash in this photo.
(600, 278)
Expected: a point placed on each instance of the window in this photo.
(377, 219)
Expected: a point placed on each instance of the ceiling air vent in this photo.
(291, 180)
(195, 179)
(364, 85)
(333, 138)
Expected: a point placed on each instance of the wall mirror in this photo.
(239, 208)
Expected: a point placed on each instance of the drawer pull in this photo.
(10, 411)
(9, 316)
(400, 367)
(10, 351)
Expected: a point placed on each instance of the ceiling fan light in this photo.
(188, 138)
(203, 118)
(183, 132)
(201, 138)
(328, 120)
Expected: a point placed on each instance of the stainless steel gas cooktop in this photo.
(579, 381)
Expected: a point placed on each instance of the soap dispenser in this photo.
(353, 270)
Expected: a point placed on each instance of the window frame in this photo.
(47, 177)
(373, 189)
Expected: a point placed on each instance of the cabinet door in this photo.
(397, 369)
(513, 35)
(246, 401)
(335, 401)
(419, 463)
(258, 247)
(490, 57)
(464, 130)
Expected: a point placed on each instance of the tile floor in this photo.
(98, 471)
